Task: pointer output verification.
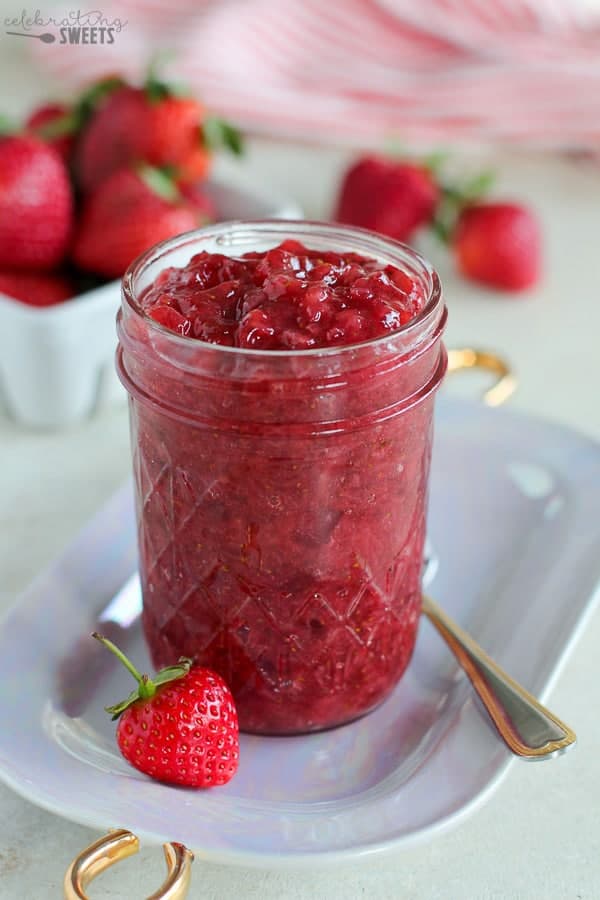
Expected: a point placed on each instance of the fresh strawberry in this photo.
(36, 288)
(36, 204)
(180, 727)
(389, 196)
(55, 124)
(172, 130)
(59, 124)
(128, 213)
(154, 124)
(105, 144)
(498, 244)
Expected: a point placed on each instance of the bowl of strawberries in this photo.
(84, 189)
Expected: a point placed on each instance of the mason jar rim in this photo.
(237, 231)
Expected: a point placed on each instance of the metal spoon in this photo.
(529, 729)
(45, 38)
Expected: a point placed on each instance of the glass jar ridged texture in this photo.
(282, 495)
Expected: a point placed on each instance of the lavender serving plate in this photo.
(515, 526)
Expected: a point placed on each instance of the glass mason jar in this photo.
(281, 495)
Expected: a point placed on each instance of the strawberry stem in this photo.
(91, 98)
(155, 86)
(146, 686)
(59, 127)
(454, 198)
(441, 230)
(217, 134)
(434, 161)
(159, 181)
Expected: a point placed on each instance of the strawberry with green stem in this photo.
(455, 196)
(157, 123)
(178, 727)
(129, 212)
(494, 242)
(54, 124)
(59, 124)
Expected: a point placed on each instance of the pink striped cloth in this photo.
(525, 71)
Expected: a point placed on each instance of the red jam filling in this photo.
(283, 554)
(289, 298)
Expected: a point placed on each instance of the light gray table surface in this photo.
(539, 835)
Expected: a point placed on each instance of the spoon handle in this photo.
(528, 728)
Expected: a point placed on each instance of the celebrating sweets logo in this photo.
(76, 27)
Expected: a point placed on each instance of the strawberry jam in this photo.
(288, 298)
(281, 413)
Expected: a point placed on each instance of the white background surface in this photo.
(539, 836)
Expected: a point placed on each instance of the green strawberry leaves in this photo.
(156, 87)
(59, 127)
(146, 686)
(90, 99)
(217, 134)
(159, 181)
(454, 197)
(82, 110)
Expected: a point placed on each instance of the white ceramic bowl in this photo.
(56, 363)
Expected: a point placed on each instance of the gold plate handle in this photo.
(469, 358)
(118, 845)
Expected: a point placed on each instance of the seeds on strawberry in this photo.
(179, 727)
(36, 204)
